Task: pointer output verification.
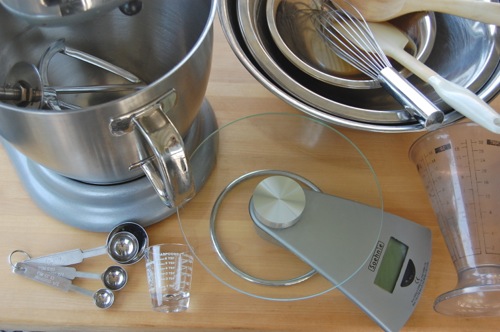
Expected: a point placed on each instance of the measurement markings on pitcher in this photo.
(437, 187)
(484, 189)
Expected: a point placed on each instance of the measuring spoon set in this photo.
(125, 244)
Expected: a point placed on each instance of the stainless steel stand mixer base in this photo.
(101, 207)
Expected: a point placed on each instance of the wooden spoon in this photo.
(393, 41)
(384, 10)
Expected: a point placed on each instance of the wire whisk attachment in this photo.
(352, 40)
(28, 85)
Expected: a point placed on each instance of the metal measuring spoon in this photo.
(121, 247)
(113, 278)
(125, 245)
(103, 298)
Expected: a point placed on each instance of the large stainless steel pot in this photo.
(168, 44)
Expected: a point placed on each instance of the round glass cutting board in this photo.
(218, 226)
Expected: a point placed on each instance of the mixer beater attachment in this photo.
(351, 38)
(26, 85)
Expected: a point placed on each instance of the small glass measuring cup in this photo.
(459, 166)
(169, 270)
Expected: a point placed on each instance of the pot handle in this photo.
(168, 169)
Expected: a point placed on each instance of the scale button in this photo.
(409, 275)
(278, 202)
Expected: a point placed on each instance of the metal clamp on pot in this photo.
(168, 168)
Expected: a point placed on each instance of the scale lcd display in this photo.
(391, 265)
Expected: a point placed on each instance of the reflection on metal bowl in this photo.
(464, 52)
(292, 30)
(168, 45)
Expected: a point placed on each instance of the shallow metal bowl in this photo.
(464, 52)
(292, 30)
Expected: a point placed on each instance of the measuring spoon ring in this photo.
(113, 278)
(103, 298)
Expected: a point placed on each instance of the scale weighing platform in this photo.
(270, 228)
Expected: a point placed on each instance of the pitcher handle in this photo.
(168, 168)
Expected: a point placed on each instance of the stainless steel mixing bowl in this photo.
(292, 29)
(168, 45)
(465, 52)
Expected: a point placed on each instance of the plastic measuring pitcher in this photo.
(460, 168)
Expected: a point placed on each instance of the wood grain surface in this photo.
(233, 93)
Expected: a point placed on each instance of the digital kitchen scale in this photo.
(314, 225)
(303, 216)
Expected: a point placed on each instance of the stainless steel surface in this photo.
(121, 247)
(298, 88)
(22, 86)
(393, 42)
(114, 277)
(78, 144)
(278, 202)
(352, 39)
(471, 61)
(103, 298)
(168, 167)
(291, 26)
(427, 114)
(125, 244)
(59, 12)
(138, 232)
(100, 208)
(28, 86)
(50, 94)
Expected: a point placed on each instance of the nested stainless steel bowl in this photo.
(292, 30)
(464, 52)
(168, 44)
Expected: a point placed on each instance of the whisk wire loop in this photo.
(351, 38)
(343, 46)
